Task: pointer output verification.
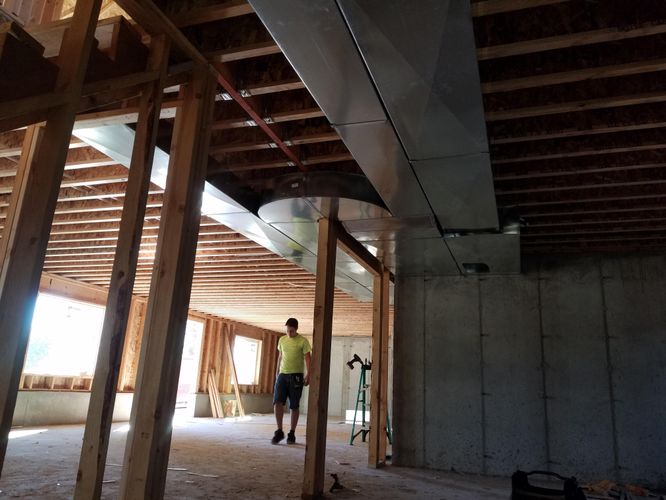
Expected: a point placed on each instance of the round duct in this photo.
(308, 197)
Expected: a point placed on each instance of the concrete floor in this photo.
(226, 459)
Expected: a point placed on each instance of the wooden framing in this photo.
(31, 210)
(568, 40)
(353, 248)
(379, 373)
(148, 442)
(315, 448)
(102, 399)
(490, 7)
(234, 375)
(216, 12)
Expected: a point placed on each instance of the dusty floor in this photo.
(232, 460)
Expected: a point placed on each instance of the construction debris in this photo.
(609, 490)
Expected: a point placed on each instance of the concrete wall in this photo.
(561, 368)
(252, 403)
(34, 408)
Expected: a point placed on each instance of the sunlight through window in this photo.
(246, 359)
(64, 337)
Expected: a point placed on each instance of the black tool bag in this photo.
(521, 489)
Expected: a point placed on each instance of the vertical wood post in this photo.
(315, 448)
(133, 335)
(31, 208)
(379, 373)
(149, 438)
(119, 300)
(234, 376)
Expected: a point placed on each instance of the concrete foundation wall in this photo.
(561, 368)
(252, 403)
(34, 408)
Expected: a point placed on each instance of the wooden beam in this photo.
(223, 80)
(379, 373)
(132, 348)
(315, 448)
(577, 106)
(31, 210)
(593, 130)
(212, 13)
(151, 18)
(562, 172)
(75, 290)
(569, 40)
(102, 398)
(578, 186)
(244, 52)
(578, 75)
(356, 250)
(271, 87)
(313, 160)
(580, 153)
(149, 438)
(234, 375)
(491, 7)
(235, 147)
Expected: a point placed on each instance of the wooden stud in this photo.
(149, 438)
(211, 13)
(353, 248)
(234, 376)
(576, 106)
(315, 448)
(102, 399)
(569, 40)
(25, 236)
(379, 373)
(490, 7)
(130, 359)
(578, 75)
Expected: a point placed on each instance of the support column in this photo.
(31, 208)
(149, 438)
(379, 373)
(103, 395)
(315, 449)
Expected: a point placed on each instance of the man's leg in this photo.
(279, 399)
(294, 419)
(295, 392)
(279, 413)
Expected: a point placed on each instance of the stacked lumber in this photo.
(214, 395)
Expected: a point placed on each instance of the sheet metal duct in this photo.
(372, 76)
(116, 141)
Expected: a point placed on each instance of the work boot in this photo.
(277, 437)
(291, 438)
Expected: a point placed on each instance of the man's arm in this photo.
(279, 360)
(306, 379)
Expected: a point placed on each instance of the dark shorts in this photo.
(288, 385)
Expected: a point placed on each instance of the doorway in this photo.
(189, 369)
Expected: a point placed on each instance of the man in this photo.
(294, 355)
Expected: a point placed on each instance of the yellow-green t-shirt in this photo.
(293, 351)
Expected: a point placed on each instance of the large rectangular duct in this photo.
(399, 82)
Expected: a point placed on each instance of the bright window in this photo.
(64, 337)
(246, 359)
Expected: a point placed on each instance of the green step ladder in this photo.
(362, 402)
